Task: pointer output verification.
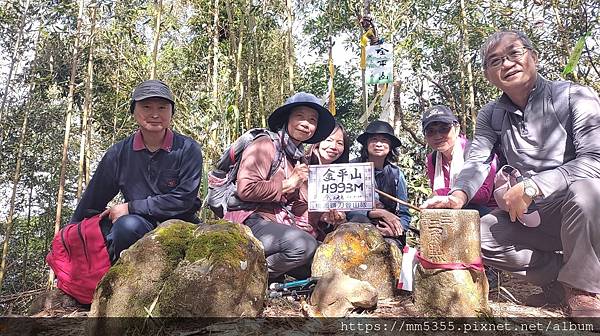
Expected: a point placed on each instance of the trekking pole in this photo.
(294, 284)
(414, 207)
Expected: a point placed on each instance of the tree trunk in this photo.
(289, 51)
(11, 68)
(65, 148)
(239, 89)
(470, 111)
(88, 151)
(215, 69)
(27, 234)
(215, 46)
(463, 105)
(232, 37)
(87, 111)
(259, 79)
(281, 89)
(365, 29)
(115, 114)
(156, 38)
(11, 210)
(247, 115)
(399, 115)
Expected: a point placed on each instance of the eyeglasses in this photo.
(514, 55)
(431, 131)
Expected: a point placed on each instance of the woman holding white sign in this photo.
(379, 145)
(278, 215)
(333, 150)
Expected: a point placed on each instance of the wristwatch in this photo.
(529, 188)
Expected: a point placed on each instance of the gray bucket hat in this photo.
(325, 124)
(151, 89)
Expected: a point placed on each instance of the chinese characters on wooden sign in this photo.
(380, 64)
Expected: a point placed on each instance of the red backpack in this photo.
(79, 258)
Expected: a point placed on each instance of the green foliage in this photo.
(575, 55)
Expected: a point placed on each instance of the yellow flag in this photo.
(331, 86)
(364, 41)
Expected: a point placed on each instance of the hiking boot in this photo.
(552, 294)
(582, 303)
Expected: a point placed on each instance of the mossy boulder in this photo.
(359, 251)
(186, 270)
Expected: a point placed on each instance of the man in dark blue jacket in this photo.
(156, 170)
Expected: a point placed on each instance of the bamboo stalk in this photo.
(399, 201)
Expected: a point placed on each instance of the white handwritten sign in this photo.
(380, 64)
(341, 186)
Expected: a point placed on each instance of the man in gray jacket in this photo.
(549, 131)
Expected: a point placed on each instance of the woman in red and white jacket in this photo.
(450, 148)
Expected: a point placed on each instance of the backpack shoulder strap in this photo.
(498, 115)
(278, 153)
(560, 96)
(252, 135)
(397, 172)
(396, 175)
(497, 119)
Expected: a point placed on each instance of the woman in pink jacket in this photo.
(275, 205)
(450, 149)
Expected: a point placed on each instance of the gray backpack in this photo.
(221, 196)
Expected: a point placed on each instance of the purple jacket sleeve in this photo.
(483, 195)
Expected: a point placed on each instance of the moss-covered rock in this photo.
(359, 251)
(218, 242)
(179, 267)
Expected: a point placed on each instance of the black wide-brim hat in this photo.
(325, 124)
(379, 127)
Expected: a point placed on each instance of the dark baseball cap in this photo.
(439, 113)
(152, 88)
